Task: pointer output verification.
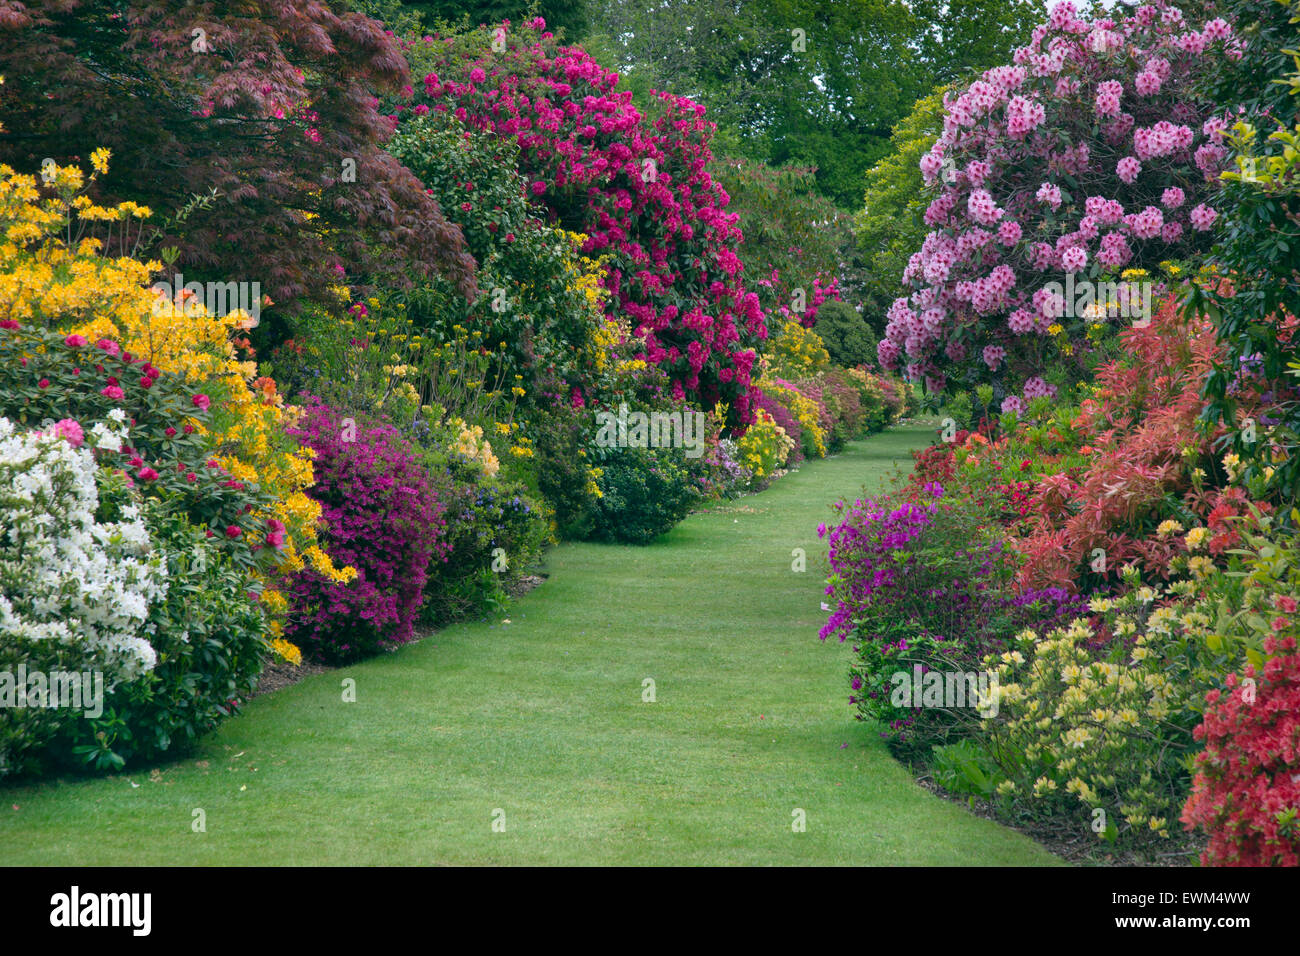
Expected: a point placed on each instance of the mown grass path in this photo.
(542, 719)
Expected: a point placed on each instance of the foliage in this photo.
(889, 226)
(269, 108)
(540, 301)
(495, 530)
(643, 493)
(804, 82)
(1259, 249)
(846, 335)
(789, 228)
(381, 517)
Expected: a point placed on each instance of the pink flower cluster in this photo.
(638, 189)
(1026, 190)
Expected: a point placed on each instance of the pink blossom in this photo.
(1203, 217)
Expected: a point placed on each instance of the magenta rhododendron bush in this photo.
(1088, 155)
(636, 186)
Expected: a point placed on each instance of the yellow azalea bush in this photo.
(796, 352)
(765, 447)
(52, 271)
(1107, 739)
(471, 443)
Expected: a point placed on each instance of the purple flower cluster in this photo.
(863, 553)
(382, 518)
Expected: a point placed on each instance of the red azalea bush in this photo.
(384, 519)
(1089, 154)
(1246, 794)
(635, 185)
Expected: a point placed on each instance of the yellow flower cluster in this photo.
(290, 653)
(765, 446)
(1106, 732)
(471, 443)
(797, 352)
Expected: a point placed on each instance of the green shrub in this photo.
(483, 514)
(644, 492)
(846, 335)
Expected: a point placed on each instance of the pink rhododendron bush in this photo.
(1088, 156)
(634, 185)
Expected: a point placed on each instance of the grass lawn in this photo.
(540, 723)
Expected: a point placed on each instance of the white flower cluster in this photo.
(63, 575)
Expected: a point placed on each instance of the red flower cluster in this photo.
(1246, 793)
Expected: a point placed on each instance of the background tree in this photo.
(268, 104)
(805, 82)
(888, 226)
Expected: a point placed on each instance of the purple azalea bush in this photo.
(382, 518)
(914, 585)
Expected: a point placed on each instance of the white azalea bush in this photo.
(67, 577)
(97, 580)
(75, 591)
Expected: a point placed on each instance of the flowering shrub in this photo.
(96, 579)
(1247, 789)
(782, 417)
(495, 530)
(797, 352)
(1089, 154)
(914, 585)
(838, 394)
(71, 288)
(1244, 796)
(637, 188)
(813, 417)
(69, 578)
(210, 635)
(1121, 693)
(765, 447)
(382, 518)
(540, 301)
(46, 376)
